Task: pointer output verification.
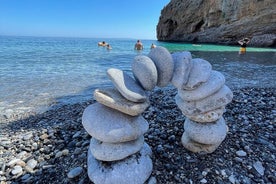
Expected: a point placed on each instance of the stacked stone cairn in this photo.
(117, 152)
(202, 97)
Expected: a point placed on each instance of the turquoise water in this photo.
(211, 48)
(38, 72)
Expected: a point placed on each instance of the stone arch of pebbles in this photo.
(117, 152)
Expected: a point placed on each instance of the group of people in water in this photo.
(138, 45)
(104, 44)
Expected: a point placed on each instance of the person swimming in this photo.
(108, 47)
(103, 44)
(152, 46)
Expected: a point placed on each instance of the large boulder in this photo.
(219, 21)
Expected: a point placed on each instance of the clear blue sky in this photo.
(81, 18)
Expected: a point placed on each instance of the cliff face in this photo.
(219, 21)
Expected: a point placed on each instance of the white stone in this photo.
(152, 180)
(135, 169)
(115, 151)
(109, 125)
(232, 179)
(206, 133)
(219, 99)
(241, 153)
(32, 163)
(259, 167)
(212, 85)
(164, 65)
(182, 67)
(126, 85)
(112, 98)
(196, 147)
(13, 162)
(144, 70)
(75, 172)
(17, 170)
(200, 72)
(206, 117)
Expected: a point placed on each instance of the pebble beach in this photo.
(54, 145)
(51, 147)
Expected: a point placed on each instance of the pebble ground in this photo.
(52, 147)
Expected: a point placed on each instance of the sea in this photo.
(40, 73)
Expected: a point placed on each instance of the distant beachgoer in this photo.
(152, 46)
(103, 44)
(138, 45)
(108, 47)
(243, 43)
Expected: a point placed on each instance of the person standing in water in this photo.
(138, 45)
(152, 46)
(243, 42)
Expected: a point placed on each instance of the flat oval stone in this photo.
(206, 133)
(75, 172)
(200, 72)
(126, 85)
(115, 151)
(213, 84)
(219, 99)
(197, 147)
(187, 108)
(135, 169)
(112, 98)
(164, 65)
(182, 67)
(109, 125)
(144, 70)
(206, 117)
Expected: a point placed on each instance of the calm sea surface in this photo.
(38, 72)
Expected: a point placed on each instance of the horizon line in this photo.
(84, 37)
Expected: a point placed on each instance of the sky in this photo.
(81, 18)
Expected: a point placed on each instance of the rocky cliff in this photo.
(219, 21)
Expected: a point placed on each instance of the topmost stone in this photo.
(164, 65)
(126, 85)
(144, 70)
(182, 67)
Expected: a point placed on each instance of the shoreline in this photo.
(58, 143)
(86, 62)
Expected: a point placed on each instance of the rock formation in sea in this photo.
(219, 21)
(117, 152)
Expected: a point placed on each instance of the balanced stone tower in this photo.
(202, 97)
(117, 152)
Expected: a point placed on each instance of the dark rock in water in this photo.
(219, 21)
